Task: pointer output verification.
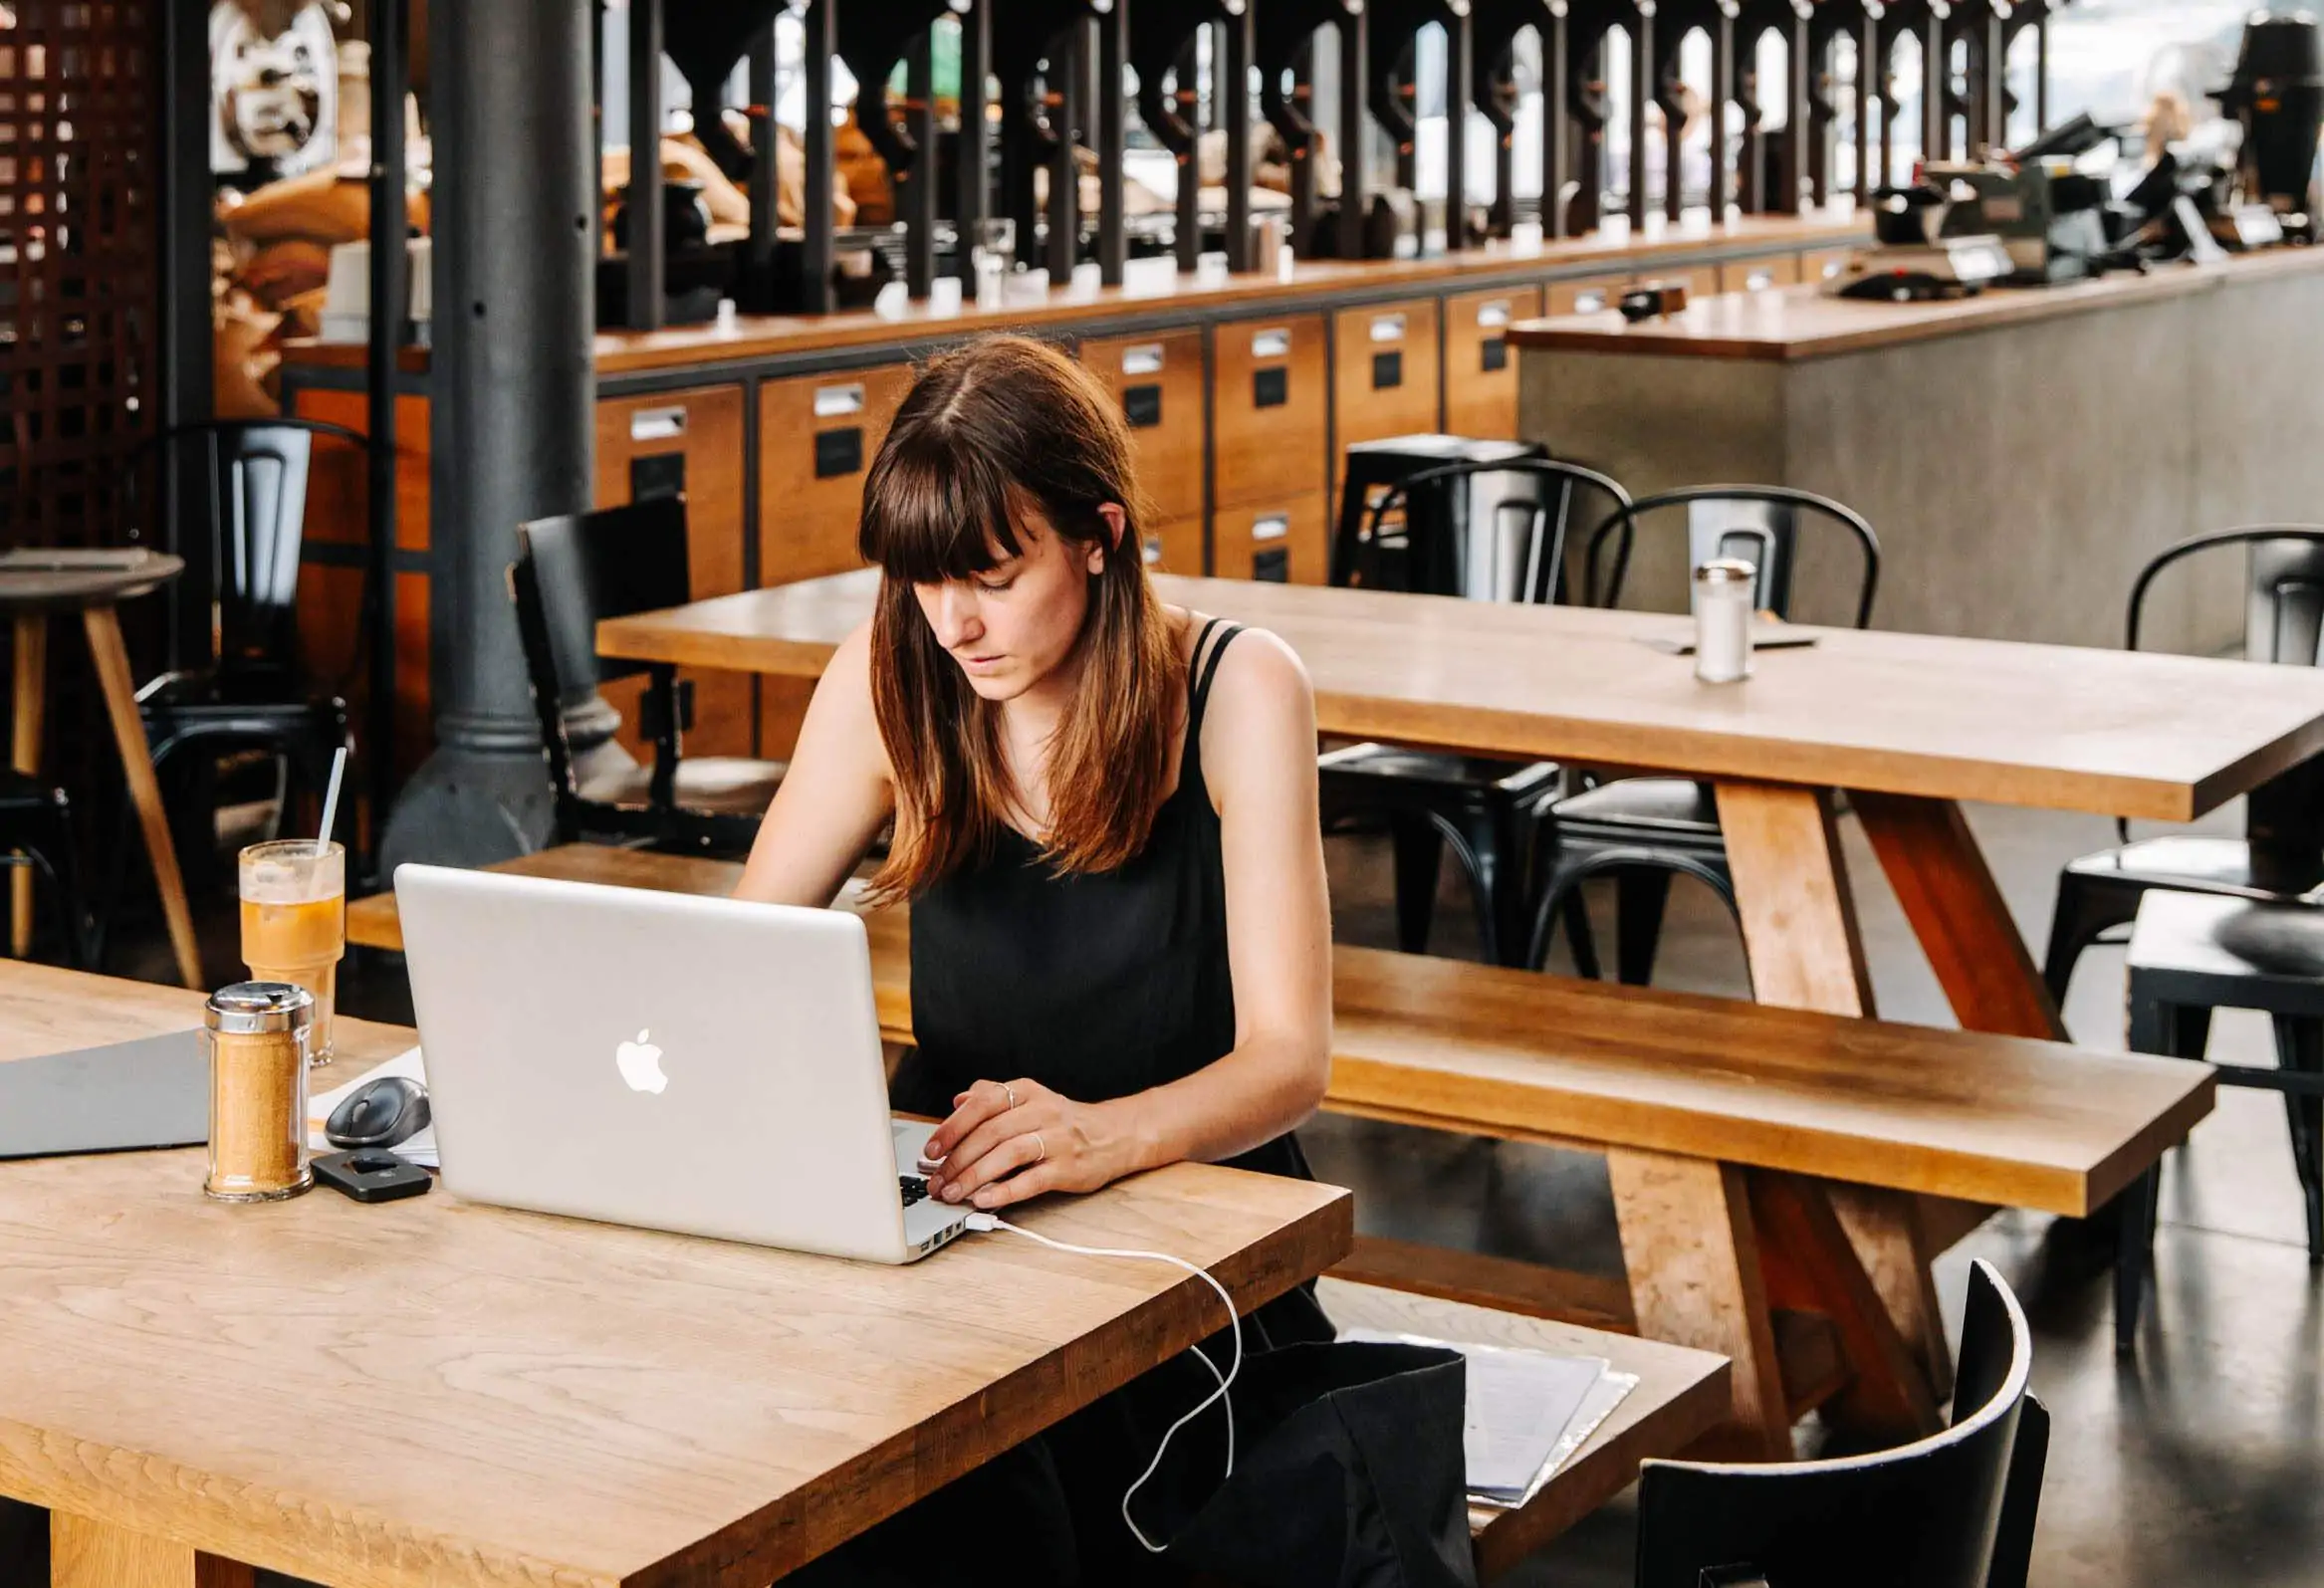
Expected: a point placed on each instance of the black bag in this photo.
(1348, 1473)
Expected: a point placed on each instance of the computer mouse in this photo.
(378, 1113)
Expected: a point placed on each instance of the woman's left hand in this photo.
(1008, 1141)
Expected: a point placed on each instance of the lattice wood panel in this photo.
(79, 208)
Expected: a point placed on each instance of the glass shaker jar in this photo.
(1723, 619)
(258, 1034)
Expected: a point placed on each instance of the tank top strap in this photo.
(1205, 669)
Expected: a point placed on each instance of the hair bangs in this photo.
(934, 512)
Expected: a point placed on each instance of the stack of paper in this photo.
(419, 1149)
(1527, 1411)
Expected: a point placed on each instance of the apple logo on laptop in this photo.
(640, 1064)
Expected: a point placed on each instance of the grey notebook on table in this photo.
(152, 1092)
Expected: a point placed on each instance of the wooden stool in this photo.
(34, 584)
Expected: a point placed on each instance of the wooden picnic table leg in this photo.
(91, 1554)
(1692, 1251)
(1806, 952)
(31, 674)
(129, 731)
(1957, 911)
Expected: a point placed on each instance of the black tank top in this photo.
(1096, 984)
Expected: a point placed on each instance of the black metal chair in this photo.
(1374, 467)
(36, 830)
(2193, 952)
(1486, 530)
(1953, 1510)
(2280, 858)
(254, 695)
(1645, 830)
(570, 572)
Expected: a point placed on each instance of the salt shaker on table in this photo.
(258, 1034)
(1723, 619)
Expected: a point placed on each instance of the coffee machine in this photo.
(2277, 93)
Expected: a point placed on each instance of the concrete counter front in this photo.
(2021, 454)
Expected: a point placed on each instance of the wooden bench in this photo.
(1782, 1178)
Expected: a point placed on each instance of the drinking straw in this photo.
(331, 801)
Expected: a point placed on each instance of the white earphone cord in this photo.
(981, 1222)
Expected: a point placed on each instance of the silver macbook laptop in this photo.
(696, 1064)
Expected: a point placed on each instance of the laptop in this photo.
(696, 1064)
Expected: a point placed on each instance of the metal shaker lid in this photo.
(1726, 570)
(249, 1007)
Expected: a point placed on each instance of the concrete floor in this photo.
(2199, 1462)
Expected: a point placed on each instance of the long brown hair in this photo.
(991, 429)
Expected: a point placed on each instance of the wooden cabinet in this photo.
(1760, 275)
(1481, 376)
(1586, 295)
(1284, 541)
(1702, 281)
(1386, 374)
(1158, 380)
(691, 444)
(1175, 545)
(817, 438)
(1822, 264)
(1269, 409)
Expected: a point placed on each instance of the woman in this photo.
(1104, 807)
(1106, 828)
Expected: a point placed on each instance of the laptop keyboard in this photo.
(913, 1187)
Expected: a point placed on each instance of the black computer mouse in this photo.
(378, 1113)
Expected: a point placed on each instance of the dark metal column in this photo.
(2041, 74)
(1722, 92)
(915, 186)
(646, 203)
(1872, 83)
(512, 390)
(1062, 89)
(1355, 79)
(972, 198)
(1936, 80)
(1641, 92)
(1556, 119)
(390, 288)
(1997, 77)
(1235, 77)
(1113, 55)
(815, 252)
(1801, 53)
(1460, 69)
(766, 158)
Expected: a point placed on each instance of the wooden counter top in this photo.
(1800, 322)
(1153, 286)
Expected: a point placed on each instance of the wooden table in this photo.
(32, 584)
(1910, 725)
(433, 1392)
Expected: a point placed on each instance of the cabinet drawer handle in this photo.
(832, 402)
(1143, 359)
(1494, 315)
(1387, 327)
(1271, 527)
(1758, 281)
(1274, 343)
(1590, 302)
(657, 424)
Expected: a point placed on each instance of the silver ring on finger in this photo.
(1010, 1092)
(1043, 1145)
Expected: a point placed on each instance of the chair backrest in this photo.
(1760, 523)
(2283, 619)
(256, 486)
(1490, 530)
(587, 567)
(1936, 1513)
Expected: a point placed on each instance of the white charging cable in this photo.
(985, 1222)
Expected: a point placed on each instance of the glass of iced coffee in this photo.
(294, 922)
